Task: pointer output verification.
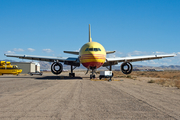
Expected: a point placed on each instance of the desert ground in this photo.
(127, 97)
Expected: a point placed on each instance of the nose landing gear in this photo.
(92, 76)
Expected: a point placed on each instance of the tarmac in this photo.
(51, 97)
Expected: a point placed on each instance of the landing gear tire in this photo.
(71, 74)
(92, 76)
(56, 68)
(126, 68)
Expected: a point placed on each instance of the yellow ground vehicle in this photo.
(7, 68)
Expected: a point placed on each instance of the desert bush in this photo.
(151, 81)
(178, 84)
(165, 78)
(128, 76)
(142, 74)
(161, 82)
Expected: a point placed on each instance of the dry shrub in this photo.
(178, 84)
(167, 78)
(142, 74)
(97, 72)
(122, 76)
(128, 76)
(169, 83)
(151, 81)
(161, 82)
(154, 74)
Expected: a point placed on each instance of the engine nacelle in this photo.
(56, 68)
(126, 67)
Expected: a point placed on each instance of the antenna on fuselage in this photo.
(90, 39)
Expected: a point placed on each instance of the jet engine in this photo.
(126, 67)
(56, 68)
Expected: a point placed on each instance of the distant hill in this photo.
(170, 67)
(47, 65)
(173, 67)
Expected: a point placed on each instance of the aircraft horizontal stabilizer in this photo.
(72, 52)
(110, 52)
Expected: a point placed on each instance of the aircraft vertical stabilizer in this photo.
(90, 39)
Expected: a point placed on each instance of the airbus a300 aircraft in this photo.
(92, 55)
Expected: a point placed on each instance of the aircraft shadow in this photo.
(3, 77)
(57, 78)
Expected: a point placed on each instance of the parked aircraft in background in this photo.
(92, 55)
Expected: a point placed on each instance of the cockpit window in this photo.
(87, 49)
(93, 49)
(90, 49)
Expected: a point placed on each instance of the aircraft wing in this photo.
(44, 58)
(113, 61)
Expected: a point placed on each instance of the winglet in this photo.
(90, 39)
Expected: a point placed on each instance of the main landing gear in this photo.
(72, 74)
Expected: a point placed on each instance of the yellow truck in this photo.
(7, 68)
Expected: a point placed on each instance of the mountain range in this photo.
(47, 65)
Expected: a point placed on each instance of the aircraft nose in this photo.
(98, 57)
(93, 60)
(94, 57)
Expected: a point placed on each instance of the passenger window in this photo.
(99, 49)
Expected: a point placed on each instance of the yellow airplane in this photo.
(92, 55)
(7, 68)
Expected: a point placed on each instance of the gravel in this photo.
(51, 97)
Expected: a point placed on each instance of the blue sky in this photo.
(131, 27)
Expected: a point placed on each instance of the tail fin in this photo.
(90, 39)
